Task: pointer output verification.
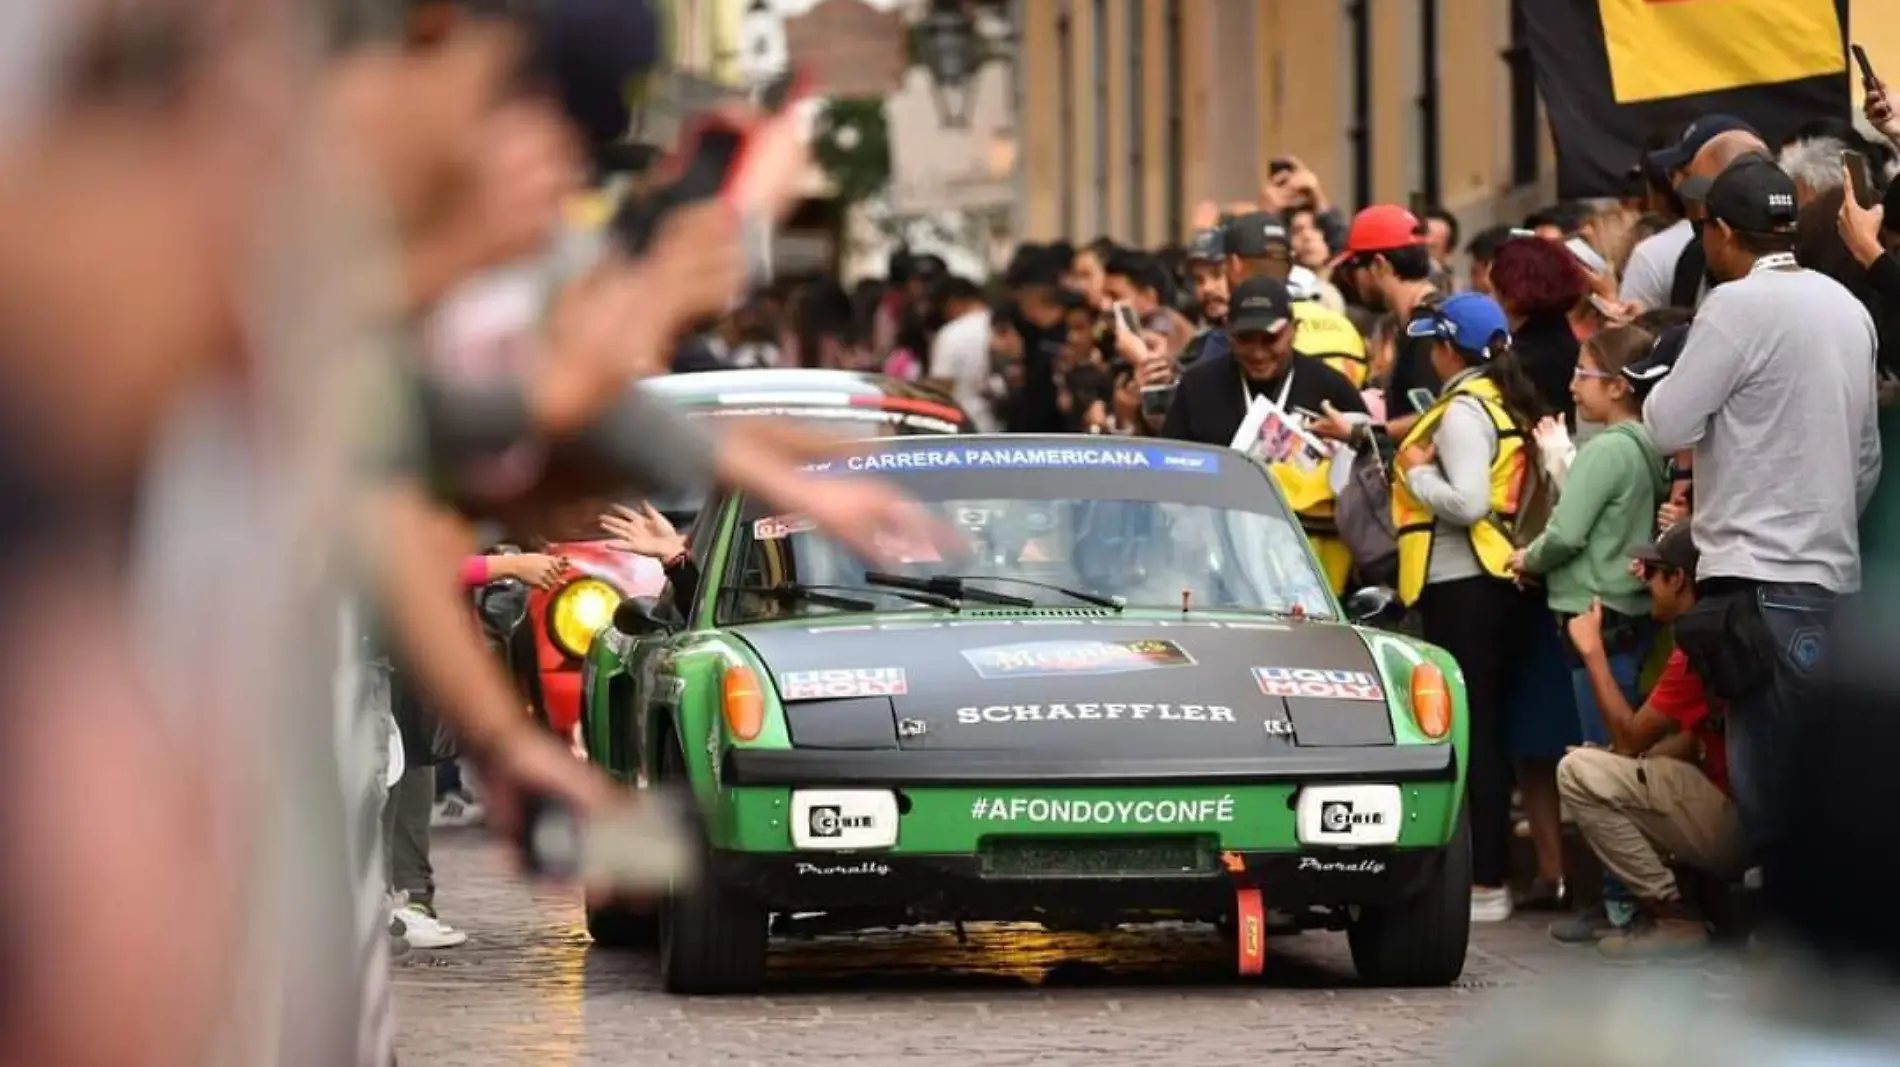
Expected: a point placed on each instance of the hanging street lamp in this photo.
(947, 44)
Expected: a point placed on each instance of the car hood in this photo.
(1106, 685)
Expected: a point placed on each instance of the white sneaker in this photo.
(457, 810)
(423, 930)
(1490, 905)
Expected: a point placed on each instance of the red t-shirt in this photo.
(1679, 696)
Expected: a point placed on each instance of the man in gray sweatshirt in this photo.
(1774, 390)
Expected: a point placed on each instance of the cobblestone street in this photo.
(527, 991)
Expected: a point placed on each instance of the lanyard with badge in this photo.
(1775, 261)
(1274, 434)
(1247, 393)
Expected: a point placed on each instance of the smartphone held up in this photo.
(751, 157)
(1868, 79)
(1156, 400)
(1860, 177)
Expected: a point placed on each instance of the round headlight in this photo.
(579, 613)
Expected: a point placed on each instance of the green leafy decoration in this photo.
(852, 142)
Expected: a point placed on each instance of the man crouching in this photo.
(1660, 794)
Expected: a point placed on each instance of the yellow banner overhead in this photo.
(1660, 49)
(1614, 73)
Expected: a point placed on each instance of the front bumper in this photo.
(887, 768)
(930, 888)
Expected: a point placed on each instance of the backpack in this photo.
(1362, 515)
(1536, 497)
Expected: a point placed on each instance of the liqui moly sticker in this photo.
(843, 684)
(1318, 684)
(779, 527)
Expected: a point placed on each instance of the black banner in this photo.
(1611, 72)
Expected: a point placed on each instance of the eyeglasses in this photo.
(1585, 372)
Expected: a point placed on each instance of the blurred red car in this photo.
(544, 648)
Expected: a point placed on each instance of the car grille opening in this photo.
(1114, 857)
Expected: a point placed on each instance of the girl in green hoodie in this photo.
(1607, 507)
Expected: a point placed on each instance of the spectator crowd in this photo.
(1629, 450)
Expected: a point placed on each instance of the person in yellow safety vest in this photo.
(1459, 471)
(1325, 334)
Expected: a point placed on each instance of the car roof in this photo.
(709, 387)
(1041, 440)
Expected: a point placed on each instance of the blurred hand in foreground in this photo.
(619, 324)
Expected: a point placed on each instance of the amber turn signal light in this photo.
(744, 703)
(1431, 701)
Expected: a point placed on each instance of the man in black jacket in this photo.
(1216, 392)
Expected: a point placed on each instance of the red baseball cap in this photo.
(1381, 228)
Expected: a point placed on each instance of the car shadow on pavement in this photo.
(1017, 955)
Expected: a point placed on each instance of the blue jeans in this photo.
(1626, 667)
(1760, 726)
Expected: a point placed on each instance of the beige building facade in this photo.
(1133, 111)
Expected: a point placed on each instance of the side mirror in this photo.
(1375, 605)
(503, 607)
(644, 617)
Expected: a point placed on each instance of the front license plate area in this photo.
(1101, 857)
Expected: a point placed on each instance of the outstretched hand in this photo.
(644, 532)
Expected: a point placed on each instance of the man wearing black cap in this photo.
(1775, 393)
(1253, 245)
(1206, 262)
(1217, 390)
(1667, 269)
(1257, 244)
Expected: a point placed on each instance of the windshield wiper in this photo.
(1113, 603)
(821, 595)
(946, 585)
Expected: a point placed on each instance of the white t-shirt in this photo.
(1650, 274)
(960, 355)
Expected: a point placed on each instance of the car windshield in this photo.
(1151, 538)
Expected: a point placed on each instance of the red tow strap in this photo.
(1250, 919)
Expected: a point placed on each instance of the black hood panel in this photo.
(1109, 687)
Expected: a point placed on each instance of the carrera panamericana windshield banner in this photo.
(1612, 71)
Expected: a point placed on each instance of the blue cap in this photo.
(1468, 321)
(1700, 132)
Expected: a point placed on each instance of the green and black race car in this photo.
(1133, 697)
